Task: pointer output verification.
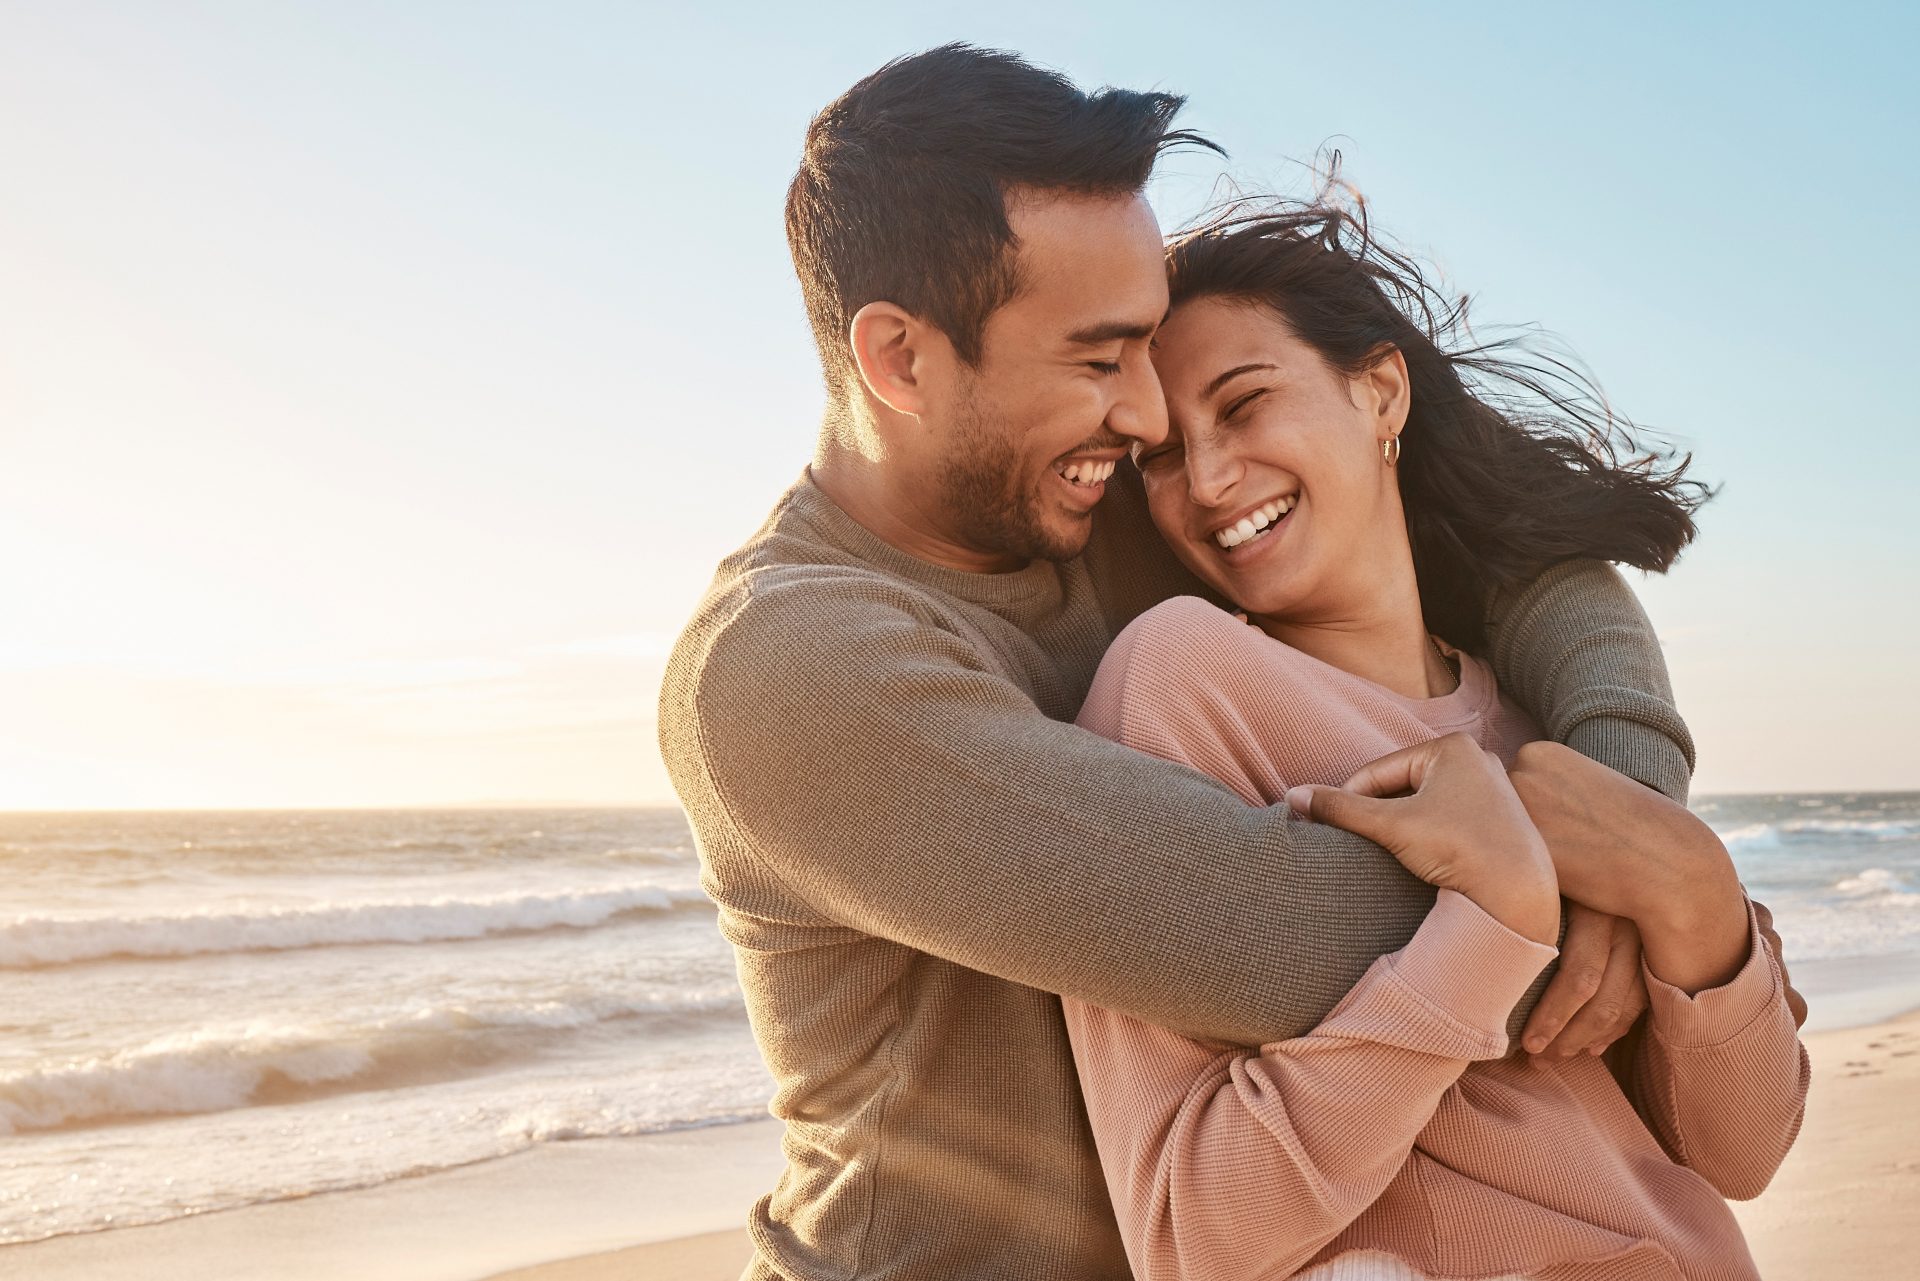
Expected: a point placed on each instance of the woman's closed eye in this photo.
(1237, 408)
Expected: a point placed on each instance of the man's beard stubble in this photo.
(987, 497)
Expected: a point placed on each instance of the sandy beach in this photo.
(1841, 1207)
(669, 1206)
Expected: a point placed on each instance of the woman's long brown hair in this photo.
(1511, 459)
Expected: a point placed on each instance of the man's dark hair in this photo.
(901, 193)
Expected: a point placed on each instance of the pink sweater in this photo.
(1401, 1126)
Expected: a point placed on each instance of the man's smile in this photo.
(1084, 477)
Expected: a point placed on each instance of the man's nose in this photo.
(1140, 412)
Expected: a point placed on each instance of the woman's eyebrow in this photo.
(1221, 380)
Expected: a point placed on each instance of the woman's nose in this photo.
(1211, 474)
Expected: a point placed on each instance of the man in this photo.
(869, 718)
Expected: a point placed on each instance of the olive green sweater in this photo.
(913, 848)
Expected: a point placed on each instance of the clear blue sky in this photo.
(379, 383)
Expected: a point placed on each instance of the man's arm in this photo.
(894, 783)
(1576, 650)
(901, 788)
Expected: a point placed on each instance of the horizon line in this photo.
(639, 805)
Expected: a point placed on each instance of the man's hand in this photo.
(1598, 992)
(1618, 845)
(1621, 847)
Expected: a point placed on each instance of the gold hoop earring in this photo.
(1390, 450)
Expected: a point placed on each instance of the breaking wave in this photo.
(1876, 882)
(261, 1062)
(28, 941)
(1769, 836)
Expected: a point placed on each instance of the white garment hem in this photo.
(1377, 1265)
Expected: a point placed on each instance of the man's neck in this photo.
(889, 506)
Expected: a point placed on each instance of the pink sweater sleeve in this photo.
(1225, 1162)
(1721, 1076)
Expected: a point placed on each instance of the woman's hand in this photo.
(1457, 824)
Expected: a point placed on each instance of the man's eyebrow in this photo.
(1222, 379)
(1110, 331)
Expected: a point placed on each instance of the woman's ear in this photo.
(1387, 393)
(893, 351)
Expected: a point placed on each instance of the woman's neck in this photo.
(1383, 640)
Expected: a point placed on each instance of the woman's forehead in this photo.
(1204, 337)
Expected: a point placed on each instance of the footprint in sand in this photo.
(1863, 1072)
(1904, 1054)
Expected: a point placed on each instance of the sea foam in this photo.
(1877, 881)
(28, 941)
(221, 1067)
(1760, 837)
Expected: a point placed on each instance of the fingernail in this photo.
(1535, 1044)
(1300, 799)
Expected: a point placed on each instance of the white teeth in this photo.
(1254, 524)
(1088, 473)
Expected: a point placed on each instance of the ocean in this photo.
(205, 1010)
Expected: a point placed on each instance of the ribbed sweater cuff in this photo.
(1470, 966)
(1716, 1014)
(1636, 750)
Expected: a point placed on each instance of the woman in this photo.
(1355, 490)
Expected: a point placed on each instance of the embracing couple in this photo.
(1188, 793)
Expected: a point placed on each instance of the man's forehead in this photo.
(1091, 263)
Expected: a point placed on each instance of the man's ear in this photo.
(895, 353)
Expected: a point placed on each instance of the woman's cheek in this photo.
(1167, 505)
(1165, 509)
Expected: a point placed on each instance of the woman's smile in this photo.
(1244, 536)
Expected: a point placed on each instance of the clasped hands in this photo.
(1640, 874)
